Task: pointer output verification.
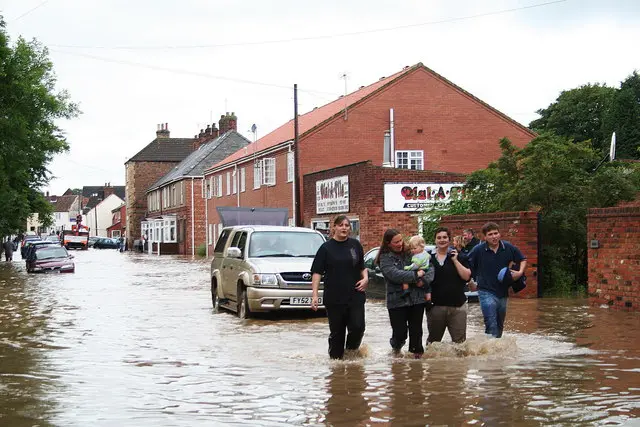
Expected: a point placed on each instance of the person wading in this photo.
(341, 261)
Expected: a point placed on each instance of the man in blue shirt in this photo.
(486, 260)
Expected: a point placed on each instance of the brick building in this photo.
(414, 119)
(176, 213)
(118, 227)
(146, 167)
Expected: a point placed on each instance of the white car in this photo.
(259, 268)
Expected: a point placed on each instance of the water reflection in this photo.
(131, 340)
(23, 385)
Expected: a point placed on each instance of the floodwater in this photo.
(131, 340)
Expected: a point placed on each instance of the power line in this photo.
(29, 11)
(320, 37)
(189, 72)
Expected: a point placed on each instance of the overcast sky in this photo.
(131, 64)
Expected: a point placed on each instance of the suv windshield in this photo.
(290, 244)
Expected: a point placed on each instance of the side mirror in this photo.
(234, 252)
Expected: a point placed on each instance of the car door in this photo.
(377, 287)
(231, 267)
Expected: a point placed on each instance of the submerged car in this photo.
(259, 268)
(51, 259)
(105, 243)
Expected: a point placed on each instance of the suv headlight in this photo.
(265, 280)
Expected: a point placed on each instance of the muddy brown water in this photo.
(131, 340)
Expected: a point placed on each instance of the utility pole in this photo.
(296, 158)
(345, 76)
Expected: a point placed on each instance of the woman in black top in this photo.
(449, 301)
(406, 312)
(341, 261)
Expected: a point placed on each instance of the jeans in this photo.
(403, 320)
(341, 317)
(494, 311)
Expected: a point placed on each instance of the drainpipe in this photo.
(237, 178)
(206, 217)
(293, 188)
(392, 135)
(193, 230)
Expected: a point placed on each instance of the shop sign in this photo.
(402, 197)
(332, 195)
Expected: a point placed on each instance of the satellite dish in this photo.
(612, 148)
(254, 127)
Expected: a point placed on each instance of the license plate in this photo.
(303, 300)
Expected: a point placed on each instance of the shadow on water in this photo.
(24, 385)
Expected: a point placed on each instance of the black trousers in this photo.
(405, 319)
(344, 317)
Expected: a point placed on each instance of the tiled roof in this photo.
(164, 150)
(318, 116)
(64, 203)
(206, 155)
(98, 190)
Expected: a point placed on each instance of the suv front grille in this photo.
(296, 277)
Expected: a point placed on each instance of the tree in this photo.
(29, 135)
(558, 178)
(623, 118)
(579, 114)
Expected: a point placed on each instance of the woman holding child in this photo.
(450, 303)
(406, 309)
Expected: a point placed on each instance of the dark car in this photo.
(51, 259)
(377, 287)
(92, 240)
(30, 246)
(25, 243)
(106, 243)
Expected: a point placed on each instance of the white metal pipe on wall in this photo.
(207, 237)
(392, 136)
(193, 225)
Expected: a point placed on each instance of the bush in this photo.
(201, 251)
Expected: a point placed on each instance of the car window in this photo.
(370, 257)
(51, 253)
(222, 240)
(242, 242)
(288, 244)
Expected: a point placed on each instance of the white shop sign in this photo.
(332, 195)
(411, 196)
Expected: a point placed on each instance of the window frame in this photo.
(411, 157)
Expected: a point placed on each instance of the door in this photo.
(377, 288)
(232, 267)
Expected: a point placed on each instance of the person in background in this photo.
(405, 314)
(470, 240)
(121, 243)
(449, 301)
(341, 261)
(458, 243)
(486, 260)
(7, 245)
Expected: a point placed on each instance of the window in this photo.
(222, 241)
(210, 236)
(269, 172)
(409, 159)
(228, 183)
(174, 200)
(243, 185)
(182, 193)
(290, 168)
(115, 233)
(234, 186)
(208, 190)
(219, 193)
(257, 174)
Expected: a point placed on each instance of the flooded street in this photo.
(131, 340)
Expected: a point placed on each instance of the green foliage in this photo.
(554, 176)
(201, 250)
(593, 113)
(29, 136)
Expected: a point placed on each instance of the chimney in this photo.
(228, 122)
(108, 190)
(163, 131)
(214, 131)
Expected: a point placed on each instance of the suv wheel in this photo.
(243, 307)
(215, 301)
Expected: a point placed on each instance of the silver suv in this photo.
(258, 268)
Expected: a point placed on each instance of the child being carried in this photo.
(419, 261)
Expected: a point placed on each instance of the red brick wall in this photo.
(366, 201)
(139, 177)
(457, 133)
(519, 228)
(614, 267)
